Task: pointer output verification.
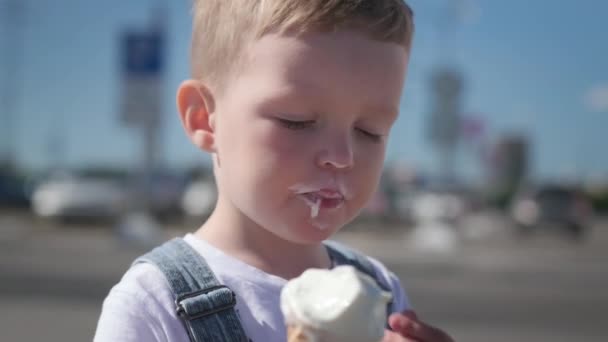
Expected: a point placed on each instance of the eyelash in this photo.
(299, 125)
(296, 125)
(372, 136)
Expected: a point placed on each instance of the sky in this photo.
(531, 67)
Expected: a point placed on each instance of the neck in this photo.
(237, 235)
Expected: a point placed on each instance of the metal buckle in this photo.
(181, 311)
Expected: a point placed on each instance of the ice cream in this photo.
(341, 304)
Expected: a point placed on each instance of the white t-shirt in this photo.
(141, 306)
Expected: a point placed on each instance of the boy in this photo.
(294, 100)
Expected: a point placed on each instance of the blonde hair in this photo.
(222, 28)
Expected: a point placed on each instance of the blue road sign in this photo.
(142, 54)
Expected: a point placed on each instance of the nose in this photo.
(337, 154)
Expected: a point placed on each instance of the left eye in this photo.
(296, 125)
(370, 135)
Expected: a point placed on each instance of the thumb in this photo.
(399, 322)
(409, 313)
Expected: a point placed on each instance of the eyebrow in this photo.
(307, 84)
(383, 110)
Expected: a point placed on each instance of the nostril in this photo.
(335, 164)
(336, 157)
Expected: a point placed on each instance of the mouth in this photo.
(323, 199)
(319, 197)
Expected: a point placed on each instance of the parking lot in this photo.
(491, 286)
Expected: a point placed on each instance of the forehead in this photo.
(343, 65)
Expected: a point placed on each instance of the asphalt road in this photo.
(481, 285)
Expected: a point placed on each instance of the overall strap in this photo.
(205, 306)
(342, 255)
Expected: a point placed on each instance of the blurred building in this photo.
(444, 125)
(509, 166)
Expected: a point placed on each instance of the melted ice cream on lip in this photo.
(341, 302)
(315, 196)
(318, 200)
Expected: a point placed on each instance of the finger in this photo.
(390, 336)
(422, 331)
(399, 323)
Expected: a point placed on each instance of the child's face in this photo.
(301, 132)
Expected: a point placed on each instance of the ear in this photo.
(196, 107)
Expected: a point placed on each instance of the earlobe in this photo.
(201, 133)
(195, 106)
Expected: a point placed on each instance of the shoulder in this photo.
(387, 278)
(139, 308)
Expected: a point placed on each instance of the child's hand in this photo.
(408, 328)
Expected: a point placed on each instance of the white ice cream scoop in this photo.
(342, 303)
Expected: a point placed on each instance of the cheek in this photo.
(284, 146)
(369, 164)
(253, 143)
(265, 158)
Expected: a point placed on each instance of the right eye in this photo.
(296, 125)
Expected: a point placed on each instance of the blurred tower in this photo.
(447, 85)
(142, 82)
(445, 118)
(12, 16)
(143, 77)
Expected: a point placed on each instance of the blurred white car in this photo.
(437, 206)
(199, 198)
(79, 197)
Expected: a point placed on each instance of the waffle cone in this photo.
(297, 333)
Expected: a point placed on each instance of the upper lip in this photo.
(333, 190)
(329, 193)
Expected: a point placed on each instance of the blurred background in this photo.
(492, 207)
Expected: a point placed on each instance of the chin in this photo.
(314, 232)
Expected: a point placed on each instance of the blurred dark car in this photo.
(553, 206)
(13, 192)
(166, 190)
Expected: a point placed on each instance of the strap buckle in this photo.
(204, 303)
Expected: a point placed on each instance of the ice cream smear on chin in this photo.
(314, 208)
(335, 305)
